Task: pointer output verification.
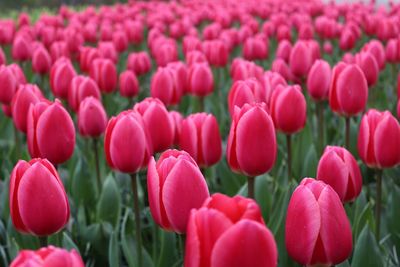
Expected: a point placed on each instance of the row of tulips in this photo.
(287, 71)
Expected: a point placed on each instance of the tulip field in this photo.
(201, 133)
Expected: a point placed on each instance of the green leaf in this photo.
(68, 243)
(367, 252)
(109, 206)
(113, 250)
(167, 248)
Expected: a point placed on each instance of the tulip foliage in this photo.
(187, 133)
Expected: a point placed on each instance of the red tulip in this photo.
(120, 41)
(9, 84)
(50, 132)
(200, 80)
(80, 88)
(165, 53)
(300, 60)
(92, 118)
(281, 67)
(59, 50)
(107, 51)
(242, 69)
(255, 48)
(283, 50)
(25, 96)
(38, 202)
(288, 121)
(86, 57)
(229, 232)
(134, 31)
(319, 79)
(392, 51)
(251, 147)
(21, 48)
(128, 84)
(348, 93)
(41, 61)
(200, 137)
(367, 63)
(338, 168)
(104, 72)
(61, 74)
(216, 53)
(176, 119)
(126, 143)
(176, 186)
(379, 139)
(156, 119)
(376, 48)
(246, 91)
(139, 63)
(48, 256)
(164, 87)
(270, 81)
(347, 39)
(317, 231)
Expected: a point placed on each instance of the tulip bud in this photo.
(86, 57)
(59, 50)
(41, 61)
(176, 186)
(193, 57)
(317, 228)
(379, 139)
(92, 118)
(9, 84)
(229, 232)
(255, 48)
(176, 119)
(288, 121)
(216, 52)
(25, 96)
(128, 84)
(246, 91)
(80, 88)
(50, 132)
(338, 168)
(21, 48)
(369, 66)
(139, 63)
(348, 92)
(283, 50)
(165, 53)
(300, 59)
(120, 41)
(251, 147)
(61, 74)
(200, 137)
(155, 117)
(48, 256)
(104, 72)
(127, 143)
(328, 47)
(38, 202)
(200, 80)
(319, 79)
(392, 51)
(376, 48)
(164, 88)
(107, 51)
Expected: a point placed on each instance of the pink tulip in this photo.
(104, 72)
(61, 74)
(41, 61)
(128, 84)
(200, 80)
(319, 79)
(92, 118)
(80, 88)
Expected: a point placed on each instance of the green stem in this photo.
(201, 101)
(320, 116)
(182, 241)
(43, 241)
(378, 202)
(17, 145)
(289, 156)
(137, 217)
(250, 187)
(347, 137)
(96, 159)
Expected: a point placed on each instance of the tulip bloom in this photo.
(41, 61)
(104, 72)
(200, 137)
(50, 132)
(367, 63)
(229, 232)
(25, 96)
(317, 228)
(300, 59)
(348, 93)
(164, 87)
(216, 52)
(80, 88)
(338, 168)
(176, 186)
(139, 63)
(288, 120)
(9, 84)
(200, 80)
(38, 202)
(251, 147)
(318, 80)
(379, 139)
(48, 256)
(283, 50)
(156, 119)
(128, 84)
(246, 91)
(61, 74)
(255, 48)
(126, 142)
(92, 118)
(21, 48)
(176, 119)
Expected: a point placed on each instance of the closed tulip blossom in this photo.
(338, 168)
(229, 231)
(61, 74)
(200, 80)
(176, 119)
(251, 147)
(48, 256)
(38, 202)
(176, 186)
(41, 61)
(26, 95)
(92, 118)
(317, 232)
(300, 60)
(164, 87)
(139, 63)
(80, 88)
(156, 119)
(200, 137)
(128, 84)
(50, 132)
(104, 72)
(9, 84)
(318, 80)
(246, 91)
(22, 48)
(367, 63)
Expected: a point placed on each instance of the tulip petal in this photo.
(188, 138)
(387, 142)
(211, 141)
(245, 244)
